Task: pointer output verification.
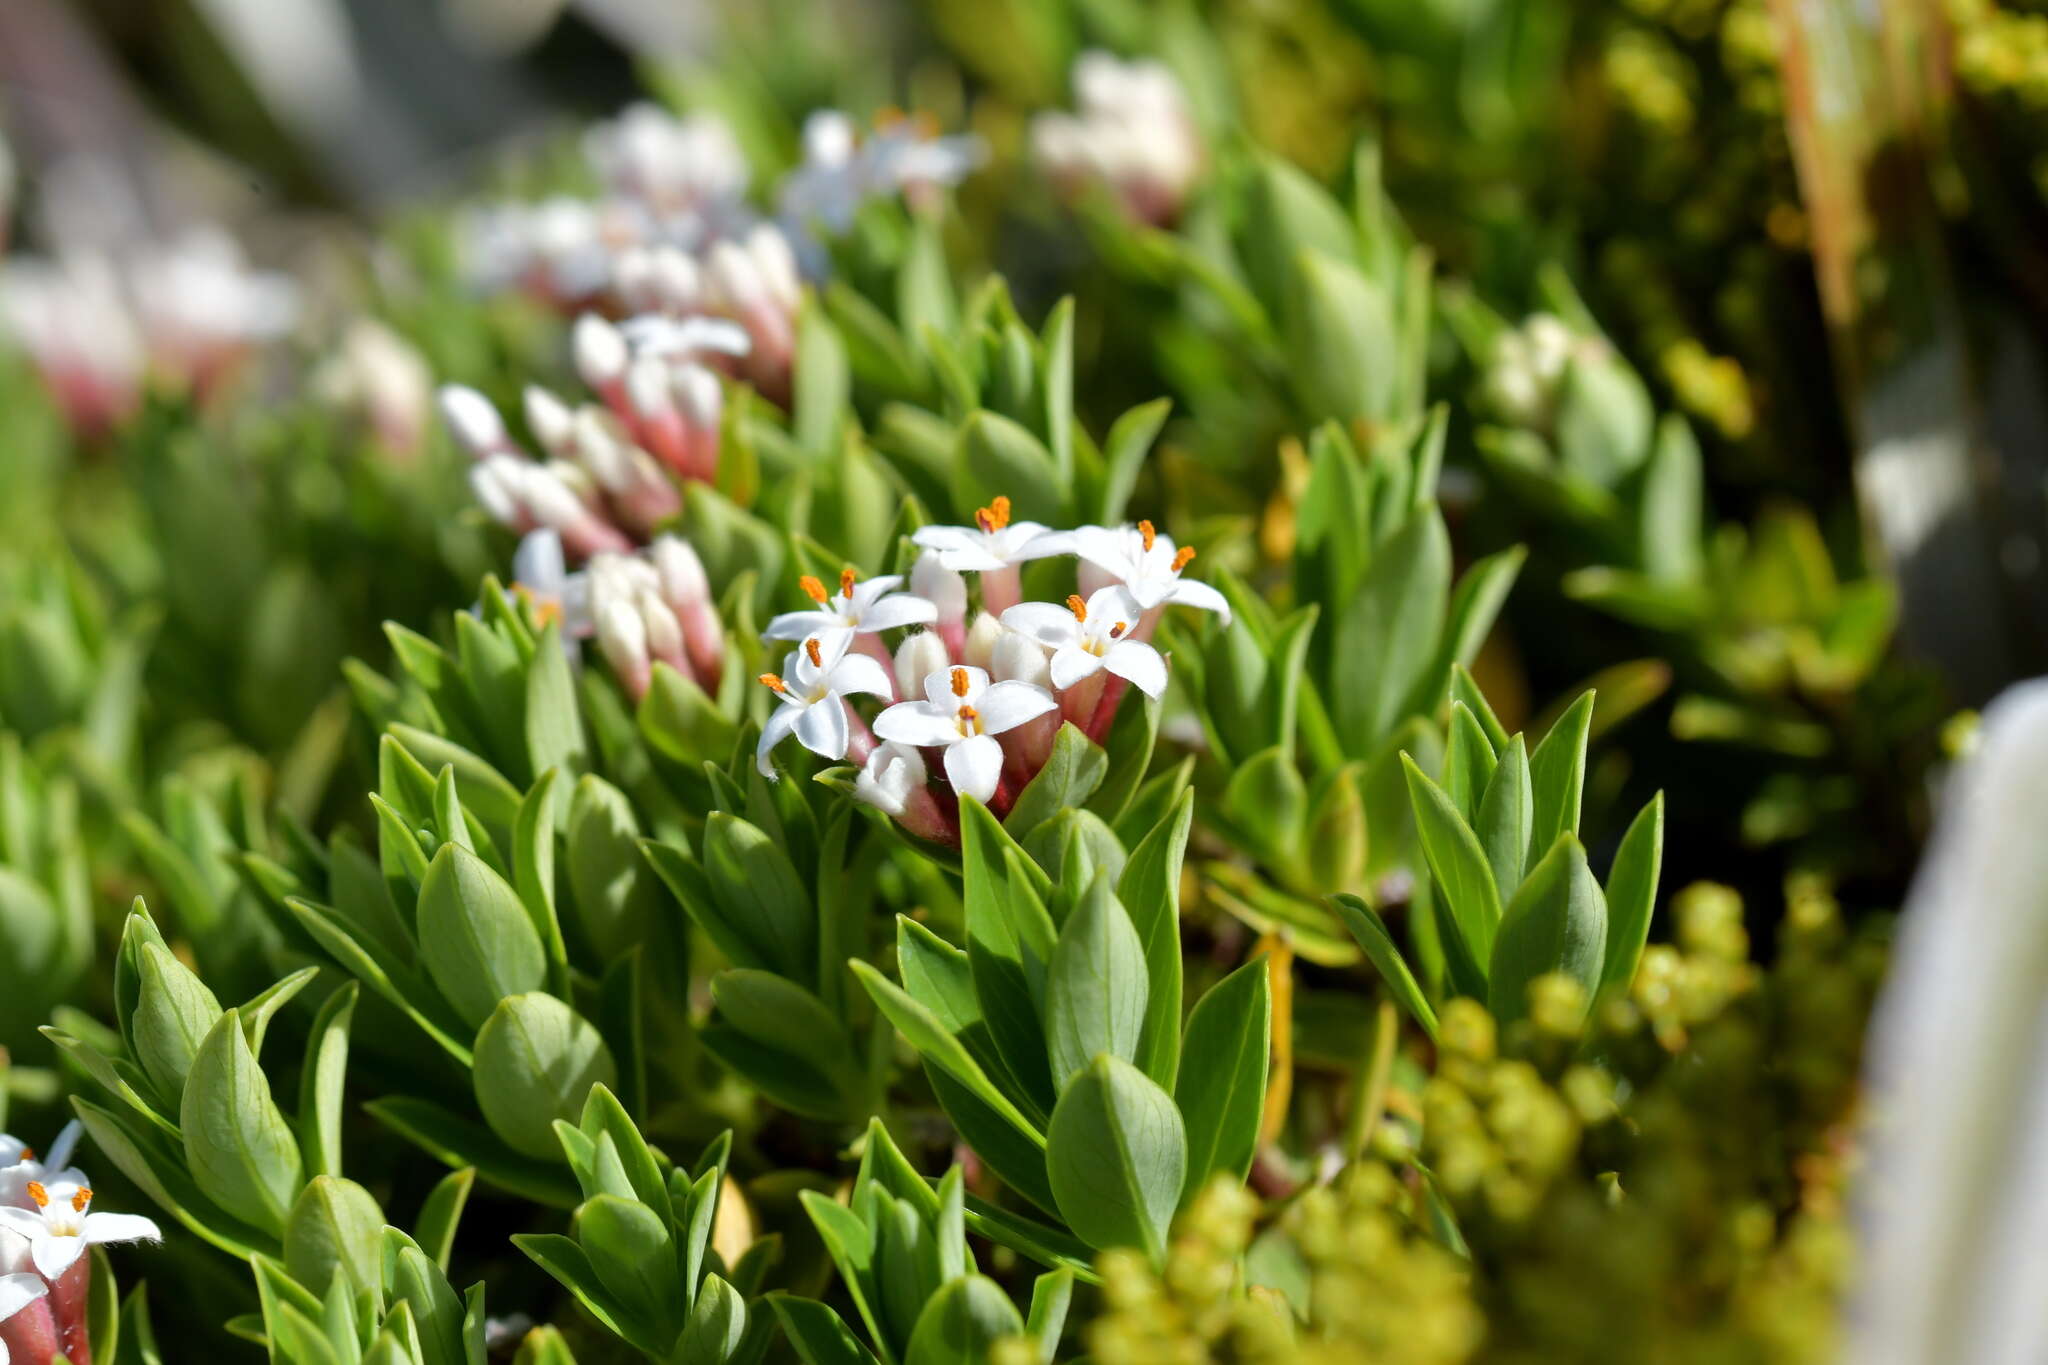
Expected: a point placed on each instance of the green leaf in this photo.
(174, 1012)
(533, 873)
(1051, 1294)
(1095, 986)
(458, 1142)
(822, 381)
(962, 1322)
(1072, 772)
(1557, 922)
(817, 1333)
(1221, 1089)
(536, 1061)
(1557, 776)
(940, 1048)
(995, 456)
(1267, 797)
(321, 1081)
(1123, 454)
(1669, 517)
(1632, 894)
(335, 1228)
(1386, 636)
(554, 721)
(1059, 388)
(1380, 949)
(1117, 1155)
(1456, 861)
(476, 938)
(615, 890)
(441, 1214)
(1475, 604)
(1341, 344)
(783, 1040)
(238, 1146)
(756, 892)
(1465, 689)
(1468, 762)
(1506, 818)
(1149, 891)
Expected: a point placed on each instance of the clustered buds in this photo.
(1133, 135)
(978, 705)
(47, 1224)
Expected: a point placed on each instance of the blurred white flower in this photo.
(1132, 134)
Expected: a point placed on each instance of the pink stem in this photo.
(1001, 589)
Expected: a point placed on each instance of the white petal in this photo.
(1107, 548)
(902, 609)
(1114, 603)
(1072, 664)
(1190, 593)
(795, 625)
(946, 538)
(875, 588)
(24, 1222)
(1044, 546)
(918, 722)
(100, 1228)
(1009, 704)
(1022, 540)
(858, 673)
(1052, 626)
(974, 766)
(16, 1293)
(55, 1255)
(822, 728)
(972, 559)
(779, 727)
(938, 687)
(538, 562)
(60, 1151)
(1138, 663)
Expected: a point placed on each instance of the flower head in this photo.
(59, 1225)
(856, 607)
(962, 713)
(992, 543)
(1087, 637)
(1145, 561)
(813, 685)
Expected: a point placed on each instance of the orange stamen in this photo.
(817, 655)
(37, 1195)
(81, 1199)
(1183, 557)
(28, 1154)
(1116, 631)
(959, 682)
(995, 516)
(969, 714)
(812, 588)
(1147, 534)
(1077, 606)
(846, 584)
(773, 683)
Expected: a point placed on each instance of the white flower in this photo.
(1087, 637)
(993, 543)
(857, 607)
(540, 573)
(655, 334)
(1144, 561)
(921, 654)
(59, 1228)
(817, 680)
(962, 713)
(16, 1293)
(893, 774)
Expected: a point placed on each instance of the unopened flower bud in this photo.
(647, 388)
(917, 658)
(549, 419)
(601, 353)
(683, 580)
(698, 395)
(979, 650)
(664, 634)
(678, 285)
(495, 482)
(893, 775)
(777, 264)
(1019, 658)
(941, 586)
(622, 636)
(634, 279)
(473, 421)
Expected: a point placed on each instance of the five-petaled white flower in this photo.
(856, 607)
(962, 714)
(1144, 561)
(994, 542)
(815, 681)
(59, 1228)
(1086, 637)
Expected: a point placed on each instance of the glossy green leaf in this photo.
(1557, 777)
(1221, 1089)
(1117, 1155)
(476, 938)
(1557, 922)
(238, 1145)
(1632, 894)
(1095, 987)
(536, 1061)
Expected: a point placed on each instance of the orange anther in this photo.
(1182, 557)
(960, 682)
(1147, 534)
(995, 516)
(846, 584)
(81, 1199)
(1116, 631)
(1077, 606)
(28, 1154)
(817, 655)
(969, 714)
(812, 588)
(37, 1195)
(773, 683)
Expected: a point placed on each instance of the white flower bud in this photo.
(678, 285)
(917, 658)
(1019, 658)
(892, 775)
(472, 420)
(664, 635)
(604, 449)
(647, 388)
(622, 635)
(939, 585)
(735, 277)
(981, 641)
(601, 353)
(681, 572)
(547, 494)
(699, 396)
(633, 278)
(777, 262)
(549, 419)
(497, 490)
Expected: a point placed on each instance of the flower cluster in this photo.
(1527, 368)
(47, 1223)
(982, 703)
(672, 239)
(1133, 135)
(97, 327)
